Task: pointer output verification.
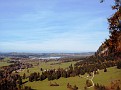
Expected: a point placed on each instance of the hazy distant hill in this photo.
(27, 55)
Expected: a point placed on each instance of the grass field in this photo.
(105, 77)
(102, 78)
(4, 64)
(44, 85)
(47, 65)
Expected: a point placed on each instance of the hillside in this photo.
(111, 48)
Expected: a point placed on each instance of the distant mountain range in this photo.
(27, 55)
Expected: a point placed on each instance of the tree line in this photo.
(12, 81)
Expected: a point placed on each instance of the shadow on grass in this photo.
(24, 82)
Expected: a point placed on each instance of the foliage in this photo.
(105, 69)
(99, 87)
(70, 87)
(10, 81)
(88, 83)
(111, 48)
(119, 65)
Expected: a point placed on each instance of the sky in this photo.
(53, 25)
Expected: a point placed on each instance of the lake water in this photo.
(50, 58)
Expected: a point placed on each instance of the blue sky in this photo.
(53, 25)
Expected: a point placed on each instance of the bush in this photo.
(88, 83)
(105, 70)
(119, 65)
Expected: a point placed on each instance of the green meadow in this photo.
(4, 64)
(103, 78)
(46, 65)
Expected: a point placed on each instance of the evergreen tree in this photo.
(20, 80)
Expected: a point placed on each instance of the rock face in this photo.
(111, 47)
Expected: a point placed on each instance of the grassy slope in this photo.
(44, 85)
(105, 77)
(47, 66)
(4, 64)
(102, 78)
